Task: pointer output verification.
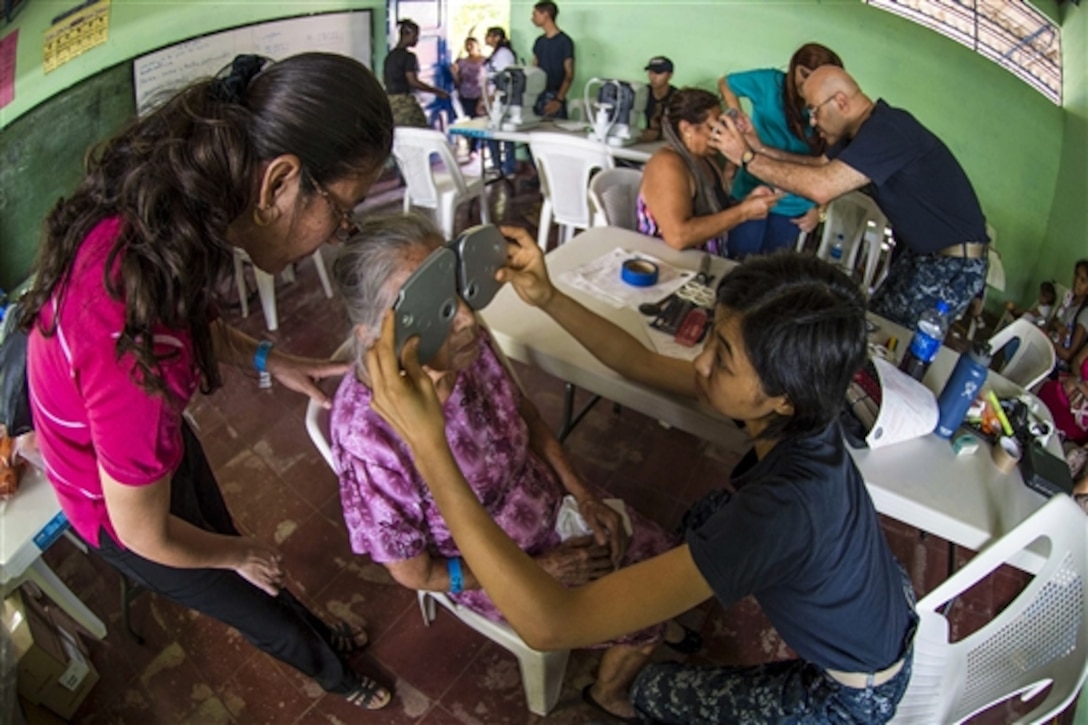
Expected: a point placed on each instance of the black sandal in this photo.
(369, 695)
(345, 639)
(690, 644)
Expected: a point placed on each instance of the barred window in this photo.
(1011, 33)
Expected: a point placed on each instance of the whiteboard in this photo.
(158, 74)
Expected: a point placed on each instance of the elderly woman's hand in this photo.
(300, 374)
(404, 398)
(576, 561)
(607, 526)
(525, 268)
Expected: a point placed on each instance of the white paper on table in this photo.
(569, 522)
(908, 409)
(601, 278)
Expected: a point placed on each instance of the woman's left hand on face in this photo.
(607, 526)
(404, 398)
(300, 374)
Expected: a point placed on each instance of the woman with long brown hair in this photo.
(684, 197)
(780, 121)
(270, 158)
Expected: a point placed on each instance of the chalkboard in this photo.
(41, 159)
(157, 75)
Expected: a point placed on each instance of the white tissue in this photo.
(569, 523)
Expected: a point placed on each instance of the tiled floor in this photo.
(192, 669)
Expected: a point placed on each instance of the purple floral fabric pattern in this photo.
(389, 511)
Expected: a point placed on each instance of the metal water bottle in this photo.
(962, 388)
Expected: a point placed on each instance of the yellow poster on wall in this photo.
(75, 32)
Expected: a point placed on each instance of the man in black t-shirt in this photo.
(939, 227)
(659, 72)
(553, 53)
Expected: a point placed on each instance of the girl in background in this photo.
(503, 156)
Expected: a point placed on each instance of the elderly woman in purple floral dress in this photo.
(514, 463)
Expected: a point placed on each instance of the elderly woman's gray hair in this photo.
(366, 262)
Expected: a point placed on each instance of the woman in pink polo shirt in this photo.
(268, 158)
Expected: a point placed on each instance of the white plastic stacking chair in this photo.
(440, 191)
(565, 164)
(612, 198)
(1034, 357)
(541, 672)
(266, 285)
(861, 223)
(1039, 640)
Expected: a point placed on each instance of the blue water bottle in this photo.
(962, 388)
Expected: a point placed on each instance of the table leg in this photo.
(40, 573)
(569, 418)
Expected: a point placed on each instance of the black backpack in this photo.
(14, 393)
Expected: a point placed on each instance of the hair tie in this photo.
(231, 88)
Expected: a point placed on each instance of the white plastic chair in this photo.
(565, 164)
(541, 672)
(1040, 639)
(859, 220)
(612, 197)
(1034, 357)
(441, 191)
(266, 285)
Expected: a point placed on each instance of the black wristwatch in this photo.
(747, 158)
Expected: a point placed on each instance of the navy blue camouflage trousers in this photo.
(916, 281)
(792, 691)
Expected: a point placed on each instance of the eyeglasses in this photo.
(347, 226)
(813, 110)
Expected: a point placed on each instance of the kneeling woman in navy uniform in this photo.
(800, 534)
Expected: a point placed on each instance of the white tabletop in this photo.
(921, 482)
(478, 128)
(32, 513)
(529, 336)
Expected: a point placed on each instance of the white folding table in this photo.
(920, 482)
(478, 128)
(29, 523)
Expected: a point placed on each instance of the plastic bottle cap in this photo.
(942, 307)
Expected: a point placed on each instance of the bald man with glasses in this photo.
(940, 231)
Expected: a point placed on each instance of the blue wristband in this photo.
(260, 358)
(453, 566)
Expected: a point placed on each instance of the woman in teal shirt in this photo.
(780, 121)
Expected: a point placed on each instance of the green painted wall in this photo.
(1026, 157)
(1009, 138)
